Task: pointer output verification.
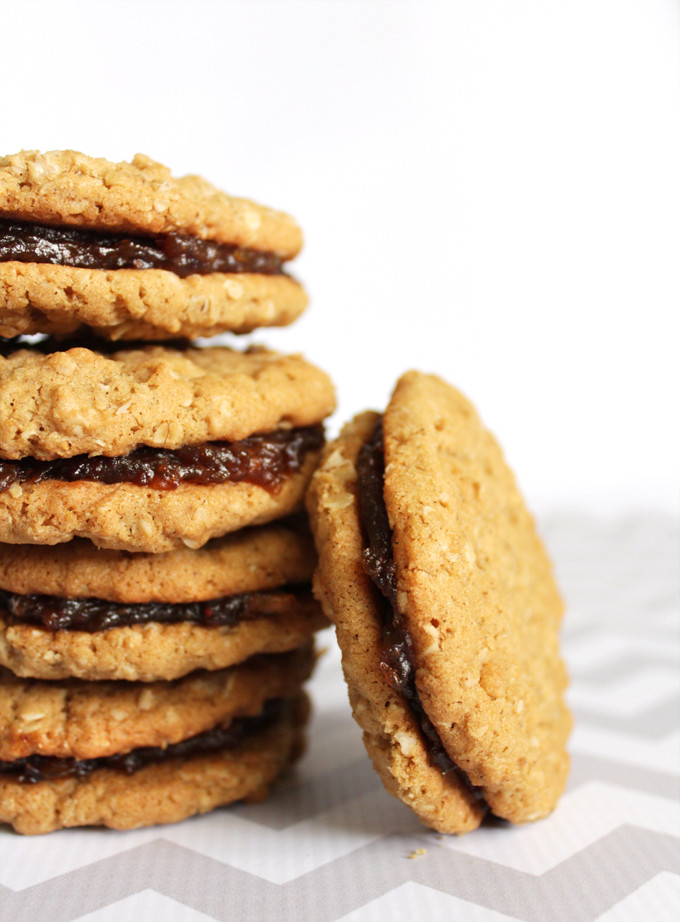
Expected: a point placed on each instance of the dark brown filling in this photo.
(396, 663)
(265, 460)
(47, 345)
(52, 613)
(86, 249)
(34, 769)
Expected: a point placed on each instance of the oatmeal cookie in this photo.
(251, 559)
(129, 251)
(446, 611)
(163, 791)
(74, 719)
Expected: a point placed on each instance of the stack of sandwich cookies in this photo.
(446, 611)
(156, 615)
(209, 709)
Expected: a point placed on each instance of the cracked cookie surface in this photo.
(67, 188)
(80, 401)
(150, 304)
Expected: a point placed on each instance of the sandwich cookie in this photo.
(78, 720)
(74, 610)
(131, 252)
(151, 448)
(237, 759)
(446, 611)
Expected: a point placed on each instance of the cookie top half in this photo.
(468, 611)
(67, 188)
(129, 251)
(56, 404)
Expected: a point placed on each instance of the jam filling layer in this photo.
(47, 344)
(51, 613)
(264, 460)
(34, 769)
(396, 664)
(86, 249)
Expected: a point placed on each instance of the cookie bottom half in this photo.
(151, 304)
(141, 519)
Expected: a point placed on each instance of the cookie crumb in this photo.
(417, 853)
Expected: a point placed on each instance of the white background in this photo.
(489, 191)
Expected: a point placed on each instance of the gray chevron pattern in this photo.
(607, 871)
(330, 844)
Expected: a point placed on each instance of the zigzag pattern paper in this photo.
(331, 846)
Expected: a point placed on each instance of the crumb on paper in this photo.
(418, 852)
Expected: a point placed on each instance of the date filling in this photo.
(52, 613)
(47, 344)
(181, 254)
(36, 768)
(397, 660)
(264, 460)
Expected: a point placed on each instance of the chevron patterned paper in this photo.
(331, 845)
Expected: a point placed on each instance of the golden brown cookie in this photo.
(90, 720)
(69, 188)
(150, 304)
(130, 251)
(123, 405)
(80, 400)
(147, 652)
(133, 518)
(251, 559)
(163, 791)
(94, 614)
(453, 666)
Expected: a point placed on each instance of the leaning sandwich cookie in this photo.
(128, 251)
(446, 611)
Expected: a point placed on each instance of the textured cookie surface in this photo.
(82, 401)
(165, 792)
(246, 561)
(477, 592)
(391, 735)
(154, 651)
(90, 720)
(71, 189)
(150, 304)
